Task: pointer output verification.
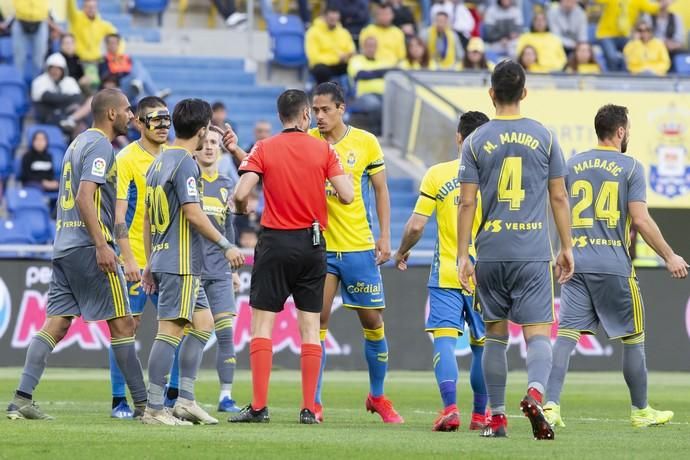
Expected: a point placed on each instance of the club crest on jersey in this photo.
(224, 194)
(351, 159)
(98, 167)
(191, 187)
(670, 174)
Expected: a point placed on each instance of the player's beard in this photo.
(120, 126)
(624, 143)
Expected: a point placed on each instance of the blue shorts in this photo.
(451, 309)
(137, 298)
(360, 278)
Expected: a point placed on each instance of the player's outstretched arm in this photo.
(343, 187)
(647, 227)
(230, 142)
(132, 273)
(413, 231)
(247, 182)
(466, 211)
(201, 223)
(558, 197)
(105, 255)
(383, 211)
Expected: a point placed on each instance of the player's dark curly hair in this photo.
(608, 119)
(333, 89)
(469, 121)
(189, 116)
(508, 82)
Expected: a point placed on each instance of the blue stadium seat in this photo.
(17, 169)
(56, 138)
(287, 41)
(12, 232)
(37, 221)
(6, 51)
(13, 87)
(6, 160)
(156, 7)
(681, 62)
(58, 154)
(19, 198)
(9, 124)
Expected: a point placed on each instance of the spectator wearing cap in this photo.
(646, 54)
(354, 15)
(548, 46)
(442, 42)
(390, 40)
(30, 31)
(475, 57)
(329, 47)
(503, 25)
(618, 17)
(89, 29)
(54, 93)
(669, 28)
(568, 21)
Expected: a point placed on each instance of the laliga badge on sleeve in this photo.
(191, 187)
(98, 167)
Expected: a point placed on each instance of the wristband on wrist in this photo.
(224, 244)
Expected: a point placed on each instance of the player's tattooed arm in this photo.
(121, 231)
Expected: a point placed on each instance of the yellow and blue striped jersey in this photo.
(349, 226)
(132, 163)
(440, 192)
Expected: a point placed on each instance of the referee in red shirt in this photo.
(290, 257)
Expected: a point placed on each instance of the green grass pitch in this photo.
(595, 408)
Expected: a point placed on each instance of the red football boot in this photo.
(496, 427)
(384, 407)
(448, 419)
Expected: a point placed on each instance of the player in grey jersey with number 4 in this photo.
(516, 164)
(608, 195)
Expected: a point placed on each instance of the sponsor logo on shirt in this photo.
(191, 187)
(98, 168)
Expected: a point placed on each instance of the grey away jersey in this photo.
(601, 183)
(171, 181)
(216, 192)
(89, 157)
(512, 160)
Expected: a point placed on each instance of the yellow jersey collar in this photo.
(98, 131)
(209, 178)
(607, 148)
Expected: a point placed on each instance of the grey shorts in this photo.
(179, 296)
(521, 292)
(588, 300)
(220, 295)
(79, 288)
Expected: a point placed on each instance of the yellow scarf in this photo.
(447, 61)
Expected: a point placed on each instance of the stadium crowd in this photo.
(352, 42)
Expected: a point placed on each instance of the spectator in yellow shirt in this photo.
(529, 60)
(329, 47)
(89, 29)
(548, 46)
(367, 71)
(417, 56)
(582, 60)
(390, 39)
(443, 44)
(646, 54)
(30, 30)
(615, 24)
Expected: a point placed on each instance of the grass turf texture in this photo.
(595, 408)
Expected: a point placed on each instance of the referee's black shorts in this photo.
(286, 262)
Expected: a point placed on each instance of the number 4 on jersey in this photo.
(510, 183)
